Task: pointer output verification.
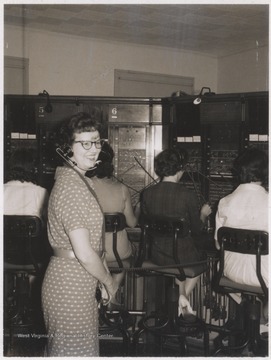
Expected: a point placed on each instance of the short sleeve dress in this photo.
(245, 208)
(68, 290)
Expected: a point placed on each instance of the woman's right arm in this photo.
(205, 211)
(90, 260)
(218, 224)
(131, 217)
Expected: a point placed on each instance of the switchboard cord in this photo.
(199, 194)
(155, 181)
(122, 182)
(144, 169)
(210, 180)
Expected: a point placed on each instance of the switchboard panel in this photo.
(257, 115)
(222, 110)
(222, 119)
(182, 118)
(47, 127)
(129, 144)
(135, 133)
(214, 132)
(19, 124)
(222, 147)
(129, 113)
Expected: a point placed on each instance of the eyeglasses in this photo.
(88, 144)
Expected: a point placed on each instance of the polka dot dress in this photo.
(68, 291)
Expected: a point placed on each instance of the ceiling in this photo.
(216, 30)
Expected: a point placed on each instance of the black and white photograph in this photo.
(135, 178)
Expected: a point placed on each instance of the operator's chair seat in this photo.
(166, 323)
(24, 254)
(247, 242)
(119, 319)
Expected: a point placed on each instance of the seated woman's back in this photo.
(246, 208)
(113, 197)
(170, 198)
(25, 199)
(22, 196)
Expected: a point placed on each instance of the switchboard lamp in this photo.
(198, 99)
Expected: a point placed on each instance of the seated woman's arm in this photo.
(131, 218)
(218, 224)
(44, 207)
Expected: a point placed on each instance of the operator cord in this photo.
(122, 182)
(199, 194)
(144, 169)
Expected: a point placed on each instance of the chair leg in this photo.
(254, 310)
(244, 333)
(164, 326)
(18, 318)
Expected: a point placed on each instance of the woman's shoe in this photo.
(185, 310)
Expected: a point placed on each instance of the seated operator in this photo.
(22, 195)
(246, 208)
(114, 197)
(170, 198)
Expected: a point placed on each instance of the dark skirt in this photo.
(162, 251)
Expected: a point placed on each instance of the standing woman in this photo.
(75, 223)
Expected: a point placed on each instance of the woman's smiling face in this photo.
(85, 159)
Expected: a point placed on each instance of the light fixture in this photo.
(197, 101)
(48, 107)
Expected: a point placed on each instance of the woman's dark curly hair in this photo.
(22, 166)
(78, 123)
(252, 166)
(105, 168)
(169, 162)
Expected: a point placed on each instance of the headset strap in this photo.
(96, 198)
(72, 165)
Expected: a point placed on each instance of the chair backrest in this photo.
(22, 240)
(250, 242)
(115, 222)
(161, 225)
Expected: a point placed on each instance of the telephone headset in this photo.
(182, 157)
(65, 152)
